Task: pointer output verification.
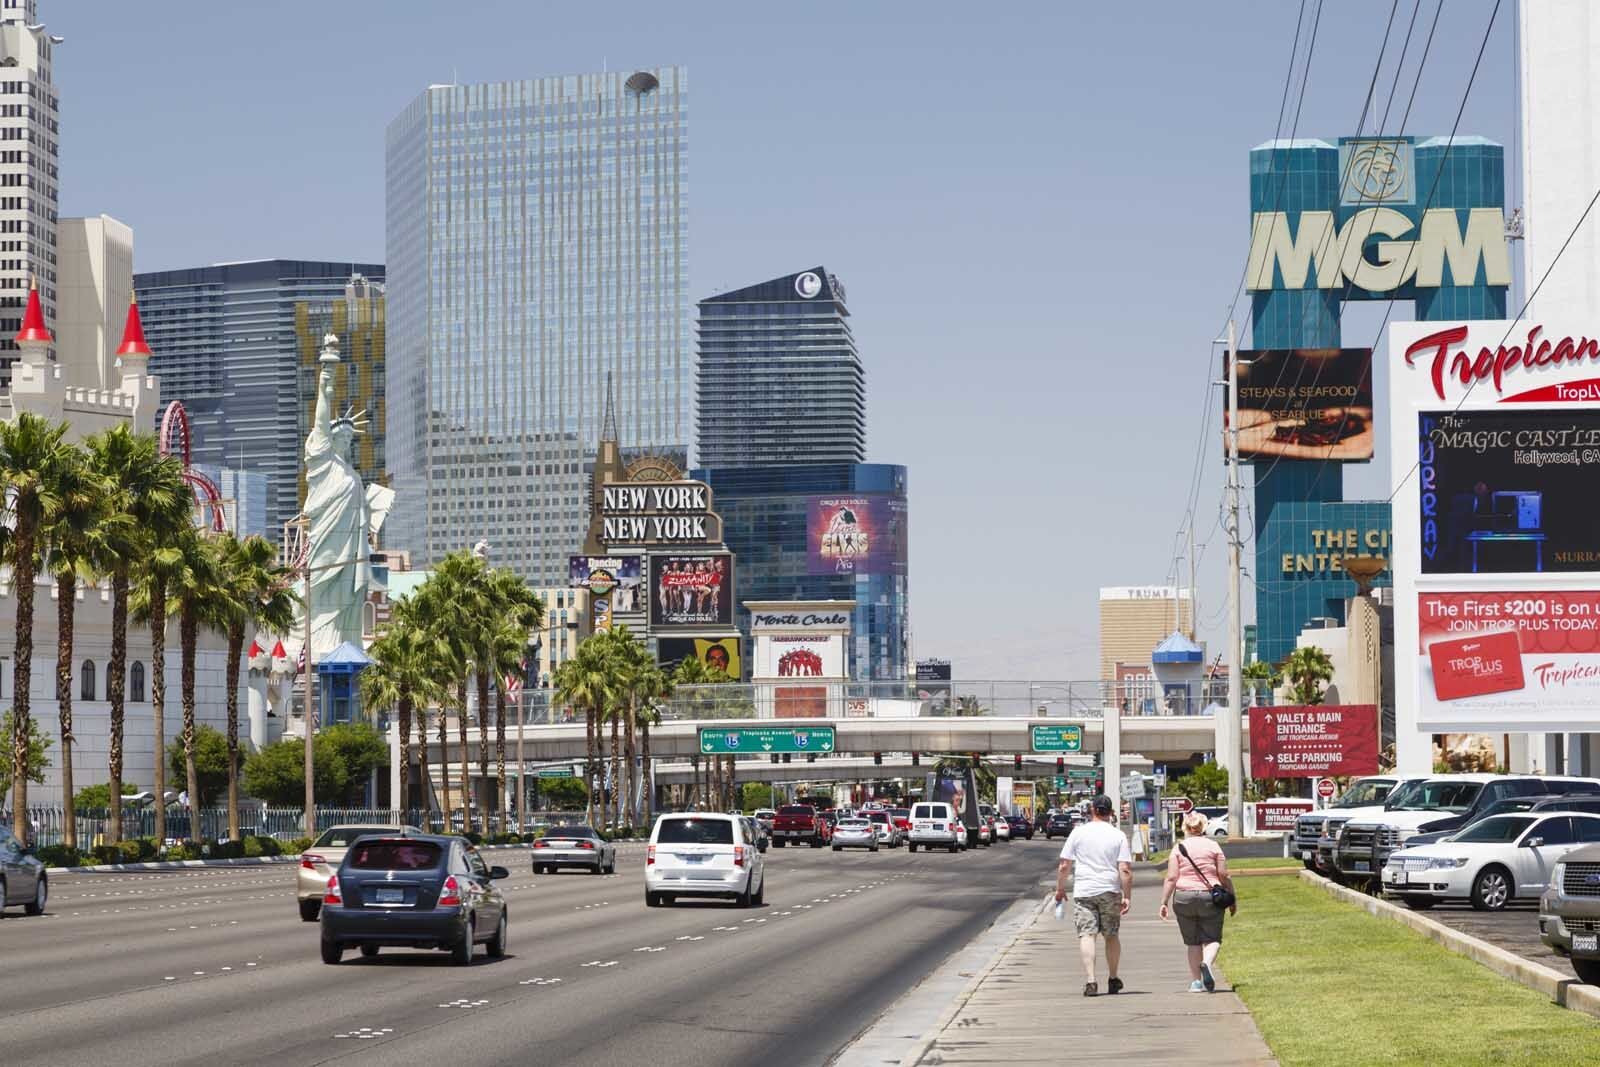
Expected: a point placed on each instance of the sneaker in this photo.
(1207, 978)
(1114, 986)
(1090, 989)
(1197, 986)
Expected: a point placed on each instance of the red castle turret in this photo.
(33, 329)
(132, 333)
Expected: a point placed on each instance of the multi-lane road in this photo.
(215, 966)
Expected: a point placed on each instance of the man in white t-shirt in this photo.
(1097, 859)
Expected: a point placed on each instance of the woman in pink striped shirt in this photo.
(1191, 873)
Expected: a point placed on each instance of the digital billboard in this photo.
(615, 576)
(800, 656)
(1304, 403)
(1510, 492)
(718, 653)
(856, 535)
(691, 590)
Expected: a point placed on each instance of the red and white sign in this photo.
(1277, 816)
(1177, 805)
(1528, 657)
(1313, 740)
(1327, 788)
(857, 707)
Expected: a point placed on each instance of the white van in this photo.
(703, 854)
(936, 825)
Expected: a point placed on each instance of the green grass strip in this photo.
(1330, 984)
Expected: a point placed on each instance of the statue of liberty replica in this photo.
(342, 518)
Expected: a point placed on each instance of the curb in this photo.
(248, 861)
(1562, 989)
(946, 1017)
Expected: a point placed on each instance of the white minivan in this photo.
(936, 825)
(703, 854)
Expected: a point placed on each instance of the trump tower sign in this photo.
(1408, 218)
(1495, 459)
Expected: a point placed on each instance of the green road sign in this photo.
(556, 772)
(731, 740)
(1061, 781)
(1083, 774)
(1058, 738)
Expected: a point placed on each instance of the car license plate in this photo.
(692, 859)
(389, 895)
(1586, 942)
(1307, 855)
(1361, 866)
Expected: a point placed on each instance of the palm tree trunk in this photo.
(404, 709)
(115, 693)
(66, 593)
(733, 784)
(644, 771)
(158, 703)
(628, 754)
(483, 741)
(694, 762)
(500, 751)
(22, 582)
(444, 769)
(591, 744)
(466, 757)
(616, 767)
(189, 636)
(231, 681)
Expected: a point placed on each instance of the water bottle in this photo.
(1061, 908)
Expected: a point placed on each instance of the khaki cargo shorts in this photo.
(1099, 914)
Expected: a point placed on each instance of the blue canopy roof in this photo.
(1177, 648)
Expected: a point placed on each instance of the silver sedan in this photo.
(574, 846)
(855, 833)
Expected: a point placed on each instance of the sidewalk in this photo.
(1028, 1006)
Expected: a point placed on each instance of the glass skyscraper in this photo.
(780, 380)
(766, 522)
(226, 343)
(537, 250)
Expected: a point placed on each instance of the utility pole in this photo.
(1233, 737)
(305, 654)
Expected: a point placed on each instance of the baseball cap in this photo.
(1102, 805)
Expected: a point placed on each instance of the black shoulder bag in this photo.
(1221, 895)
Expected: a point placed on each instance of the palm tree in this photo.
(146, 490)
(1306, 669)
(1260, 676)
(584, 683)
(254, 593)
(32, 456)
(462, 604)
(152, 584)
(404, 676)
(82, 538)
(196, 599)
(520, 613)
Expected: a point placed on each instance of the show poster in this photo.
(617, 577)
(717, 653)
(857, 535)
(800, 656)
(1313, 740)
(692, 590)
(800, 702)
(1509, 491)
(1304, 403)
(1528, 658)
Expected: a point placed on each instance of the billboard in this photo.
(692, 590)
(618, 577)
(800, 702)
(720, 653)
(856, 535)
(1309, 741)
(800, 656)
(933, 679)
(1304, 403)
(1510, 491)
(1496, 545)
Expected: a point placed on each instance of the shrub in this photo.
(60, 856)
(225, 850)
(474, 837)
(143, 849)
(295, 846)
(268, 846)
(252, 847)
(182, 851)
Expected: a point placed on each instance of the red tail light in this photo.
(331, 895)
(450, 895)
(586, 844)
(309, 860)
(649, 855)
(738, 855)
(541, 843)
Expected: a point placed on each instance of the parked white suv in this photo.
(703, 854)
(935, 825)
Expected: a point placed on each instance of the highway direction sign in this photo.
(556, 772)
(731, 740)
(1065, 738)
(1083, 774)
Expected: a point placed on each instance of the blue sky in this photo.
(1040, 212)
